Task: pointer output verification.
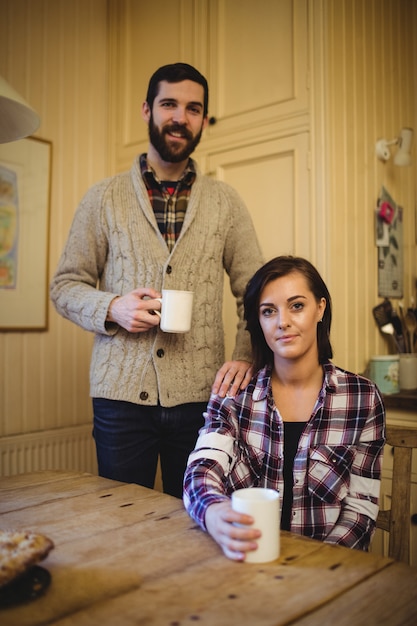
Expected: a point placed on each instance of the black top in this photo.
(292, 434)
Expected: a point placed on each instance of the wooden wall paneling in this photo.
(319, 139)
(55, 55)
(32, 382)
(11, 398)
(362, 86)
(272, 178)
(351, 173)
(258, 62)
(369, 66)
(137, 49)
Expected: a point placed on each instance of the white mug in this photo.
(176, 310)
(263, 505)
(407, 374)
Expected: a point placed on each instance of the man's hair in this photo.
(276, 268)
(176, 73)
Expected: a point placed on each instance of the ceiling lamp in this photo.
(17, 118)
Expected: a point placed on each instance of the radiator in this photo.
(63, 448)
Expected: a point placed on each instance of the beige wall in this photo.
(362, 73)
(370, 93)
(54, 53)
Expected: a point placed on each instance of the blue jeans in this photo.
(130, 437)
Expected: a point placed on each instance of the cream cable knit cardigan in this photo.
(114, 246)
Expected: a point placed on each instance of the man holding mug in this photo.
(162, 225)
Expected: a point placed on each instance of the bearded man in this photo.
(162, 225)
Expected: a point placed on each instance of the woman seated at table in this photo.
(303, 426)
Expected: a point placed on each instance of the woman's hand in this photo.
(233, 540)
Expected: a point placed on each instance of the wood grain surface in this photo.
(127, 555)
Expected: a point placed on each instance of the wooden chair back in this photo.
(397, 520)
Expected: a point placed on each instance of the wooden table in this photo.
(126, 555)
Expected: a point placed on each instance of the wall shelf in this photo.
(404, 400)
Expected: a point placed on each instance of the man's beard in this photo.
(168, 152)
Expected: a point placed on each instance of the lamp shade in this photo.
(17, 118)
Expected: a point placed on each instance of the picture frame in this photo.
(25, 189)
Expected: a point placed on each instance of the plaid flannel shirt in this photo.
(169, 208)
(337, 467)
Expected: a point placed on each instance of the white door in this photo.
(272, 178)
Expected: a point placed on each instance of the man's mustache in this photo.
(178, 128)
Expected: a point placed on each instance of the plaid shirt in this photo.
(337, 467)
(169, 206)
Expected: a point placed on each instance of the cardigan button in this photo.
(144, 395)
(160, 353)
(169, 269)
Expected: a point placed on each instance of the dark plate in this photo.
(25, 588)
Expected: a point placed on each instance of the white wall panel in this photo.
(273, 179)
(258, 61)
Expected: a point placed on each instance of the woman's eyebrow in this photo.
(290, 299)
(296, 298)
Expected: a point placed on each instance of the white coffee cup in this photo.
(263, 505)
(176, 310)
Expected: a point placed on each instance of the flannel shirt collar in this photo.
(263, 381)
(150, 177)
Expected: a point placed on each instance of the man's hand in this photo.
(135, 311)
(231, 378)
(234, 540)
